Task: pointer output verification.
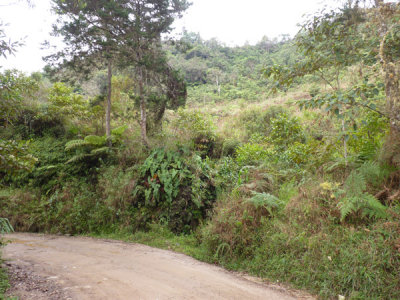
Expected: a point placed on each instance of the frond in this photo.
(355, 184)
(373, 208)
(96, 140)
(347, 206)
(119, 130)
(75, 144)
(47, 168)
(373, 172)
(100, 151)
(366, 203)
(265, 200)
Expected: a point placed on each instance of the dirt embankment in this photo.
(58, 267)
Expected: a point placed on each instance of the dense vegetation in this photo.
(279, 159)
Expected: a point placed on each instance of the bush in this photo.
(116, 188)
(197, 129)
(251, 154)
(257, 121)
(172, 191)
(285, 130)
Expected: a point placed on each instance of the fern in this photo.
(366, 204)
(119, 130)
(100, 151)
(373, 172)
(47, 168)
(265, 200)
(356, 200)
(74, 144)
(355, 184)
(95, 140)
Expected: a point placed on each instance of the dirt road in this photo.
(84, 268)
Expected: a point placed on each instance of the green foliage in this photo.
(367, 138)
(365, 203)
(356, 200)
(250, 154)
(5, 226)
(258, 122)
(4, 284)
(15, 157)
(93, 147)
(286, 130)
(328, 42)
(227, 173)
(178, 194)
(266, 201)
(64, 103)
(14, 86)
(197, 128)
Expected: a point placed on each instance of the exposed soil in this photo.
(59, 267)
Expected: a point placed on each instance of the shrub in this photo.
(116, 189)
(257, 121)
(285, 131)
(172, 191)
(251, 154)
(196, 128)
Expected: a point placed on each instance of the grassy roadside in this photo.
(160, 237)
(4, 285)
(352, 261)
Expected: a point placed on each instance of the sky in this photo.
(232, 22)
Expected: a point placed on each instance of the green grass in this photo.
(325, 259)
(4, 285)
(161, 237)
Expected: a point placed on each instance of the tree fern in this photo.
(74, 144)
(96, 140)
(100, 151)
(78, 157)
(119, 130)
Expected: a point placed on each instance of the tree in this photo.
(103, 32)
(329, 43)
(91, 39)
(14, 156)
(7, 47)
(387, 19)
(142, 48)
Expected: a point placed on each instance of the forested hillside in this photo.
(280, 159)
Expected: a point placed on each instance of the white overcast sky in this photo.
(231, 21)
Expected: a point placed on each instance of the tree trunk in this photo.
(391, 72)
(108, 107)
(143, 113)
(391, 149)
